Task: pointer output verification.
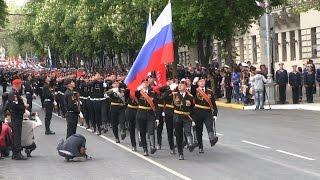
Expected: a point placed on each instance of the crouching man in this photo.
(73, 148)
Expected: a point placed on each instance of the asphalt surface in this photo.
(253, 145)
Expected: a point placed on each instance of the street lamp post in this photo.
(270, 84)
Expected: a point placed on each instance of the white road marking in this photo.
(295, 155)
(219, 134)
(255, 144)
(135, 153)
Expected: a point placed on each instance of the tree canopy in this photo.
(91, 29)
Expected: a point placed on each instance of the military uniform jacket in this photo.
(97, 89)
(71, 102)
(28, 88)
(143, 102)
(15, 104)
(180, 103)
(48, 93)
(201, 103)
(295, 79)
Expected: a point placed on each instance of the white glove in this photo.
(104, 85)
(55, 103)
(163, 114)
(193, 124)
(81, 115)
(157, 122)
(195, 80)
(215, 118)
(80, 102)
(173, 86)
(114, 89)
(106, 96)
(139, 88)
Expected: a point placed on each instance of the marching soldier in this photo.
(130, 116)
(48, 95)
(60, 88)
(16, 108)
(205, 112)
(84, 96)
(146, 116)
(183, 104)
(117, 110)
(295, 82)
(98, 97)
(309, 83)
(72, 105)
(167, 117)
(29, 92)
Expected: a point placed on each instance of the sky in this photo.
(18, 3)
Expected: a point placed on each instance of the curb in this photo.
(229, 105)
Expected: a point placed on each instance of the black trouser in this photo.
(85, 111)
(4, 88)
(48, 109)
(228, 93)
(131, 119)
(91, 113)
(104, 111)
(282, 93)
(300, 92)
(295, 94)
(72, 121)
(16, 125)
(202, 116)
(182, 125)
(117, 117)
(309, 93)
(146, 121)
(41, 97)
(60, 104)
(29, 101)
(168, 119)
(97, 114)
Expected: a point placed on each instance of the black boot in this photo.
(152, 144)
(145, 152)
(191, 146)
(99, 131)
(181, 157)
(28, 152)
(49, 132)
(134, 149)
(19, 156)
(213, 139)
(117, 141)
(201, 150)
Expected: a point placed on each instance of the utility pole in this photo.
(270, 84)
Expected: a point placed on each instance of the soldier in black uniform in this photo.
(48, 95)
(167, 118)
(59, 94)
(117, 110)
(98, 97)
(282, 80)
(295, 83)
(84, 97)
(205, 112)
(146, 116)
(39, 88)
(183, 104)
(4, 82)
(130, 116)
(29, 90)
(16, 108)
(72, 105)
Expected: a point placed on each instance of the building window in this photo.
(241, 47)
(254, 49)
(292, 45)
(314, 42)
(276, 47)
(284, 46)
(300, 44)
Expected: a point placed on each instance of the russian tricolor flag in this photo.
(156, 51)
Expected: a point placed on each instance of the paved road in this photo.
(253, 145)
